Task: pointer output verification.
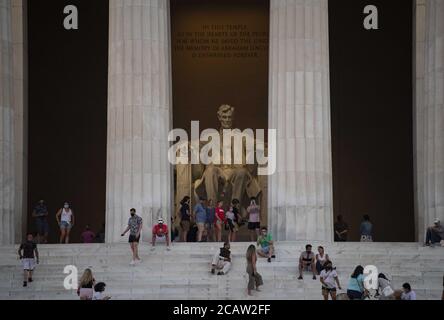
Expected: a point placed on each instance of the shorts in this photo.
(42, 226)
(328, 289)
(65, 225)
(254, 225)
(265, 250)
(233, 227)
(185, 224)
(133, 239)
(28, 264)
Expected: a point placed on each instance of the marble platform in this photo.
(183, 272)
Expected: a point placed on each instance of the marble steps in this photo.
(183, 273)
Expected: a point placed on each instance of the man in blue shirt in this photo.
(200, 214)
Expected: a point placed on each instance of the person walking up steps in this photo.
(29, 255)
(134, 227)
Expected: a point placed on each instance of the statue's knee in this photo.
(211, 171)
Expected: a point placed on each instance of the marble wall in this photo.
(429, 113)
(12, 121)
(139, 115)
(300, 192)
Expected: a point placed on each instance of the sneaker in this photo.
(314, 277)
(300, 278)
(30, 280)
(25, 284)
(220, 273)
(132, 263)
(213, 271)
(269, 259)
(273, 256)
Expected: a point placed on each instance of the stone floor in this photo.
(183, 272)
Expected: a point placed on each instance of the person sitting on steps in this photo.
(222, 260)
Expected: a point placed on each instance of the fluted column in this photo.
(429, 113)
(139, 113)
(300, 192)
(12, 137)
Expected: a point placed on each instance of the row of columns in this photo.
(140, 114)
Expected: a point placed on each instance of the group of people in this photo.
(65, 220)
(341, 229)
(321, 265)
(211, 220)
(89, 289)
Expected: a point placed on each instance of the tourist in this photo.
(385, 291)
(160, 234)
(222, 260)
(254, 223)
(329, 279)
(99, 288)
(40, 213)
(87, 235)
(340, 229)
(355, 288)
(408, 293)
(185, 217)
(307, 261)
(434, 234)
(254, 278)
(211, 212)
(265, 244)
(232, 225)
(86, 285)
(29, 255)
(237, 217)
(220, 220)
(321, 259)
(134, 227)
(65, 220)
(201, 218)
(366, 229)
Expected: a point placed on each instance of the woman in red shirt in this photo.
(220, 220)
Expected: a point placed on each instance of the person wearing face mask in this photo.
(134, 227)
(329, 279)
(160, 234)
(65, 220)
(40, 214)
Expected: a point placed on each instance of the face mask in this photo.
(66, 206)
(132, 214)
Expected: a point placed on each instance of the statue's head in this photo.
(225, 116)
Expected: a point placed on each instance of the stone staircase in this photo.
(183, 272)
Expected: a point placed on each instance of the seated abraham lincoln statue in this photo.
(222, 181)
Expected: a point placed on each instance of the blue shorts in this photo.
(65, 225)
(265, 250)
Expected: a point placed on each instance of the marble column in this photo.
(429, 113)
(139, 115)
(300, 192)
(12, 118)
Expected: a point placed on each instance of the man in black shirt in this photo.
(29, 255)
